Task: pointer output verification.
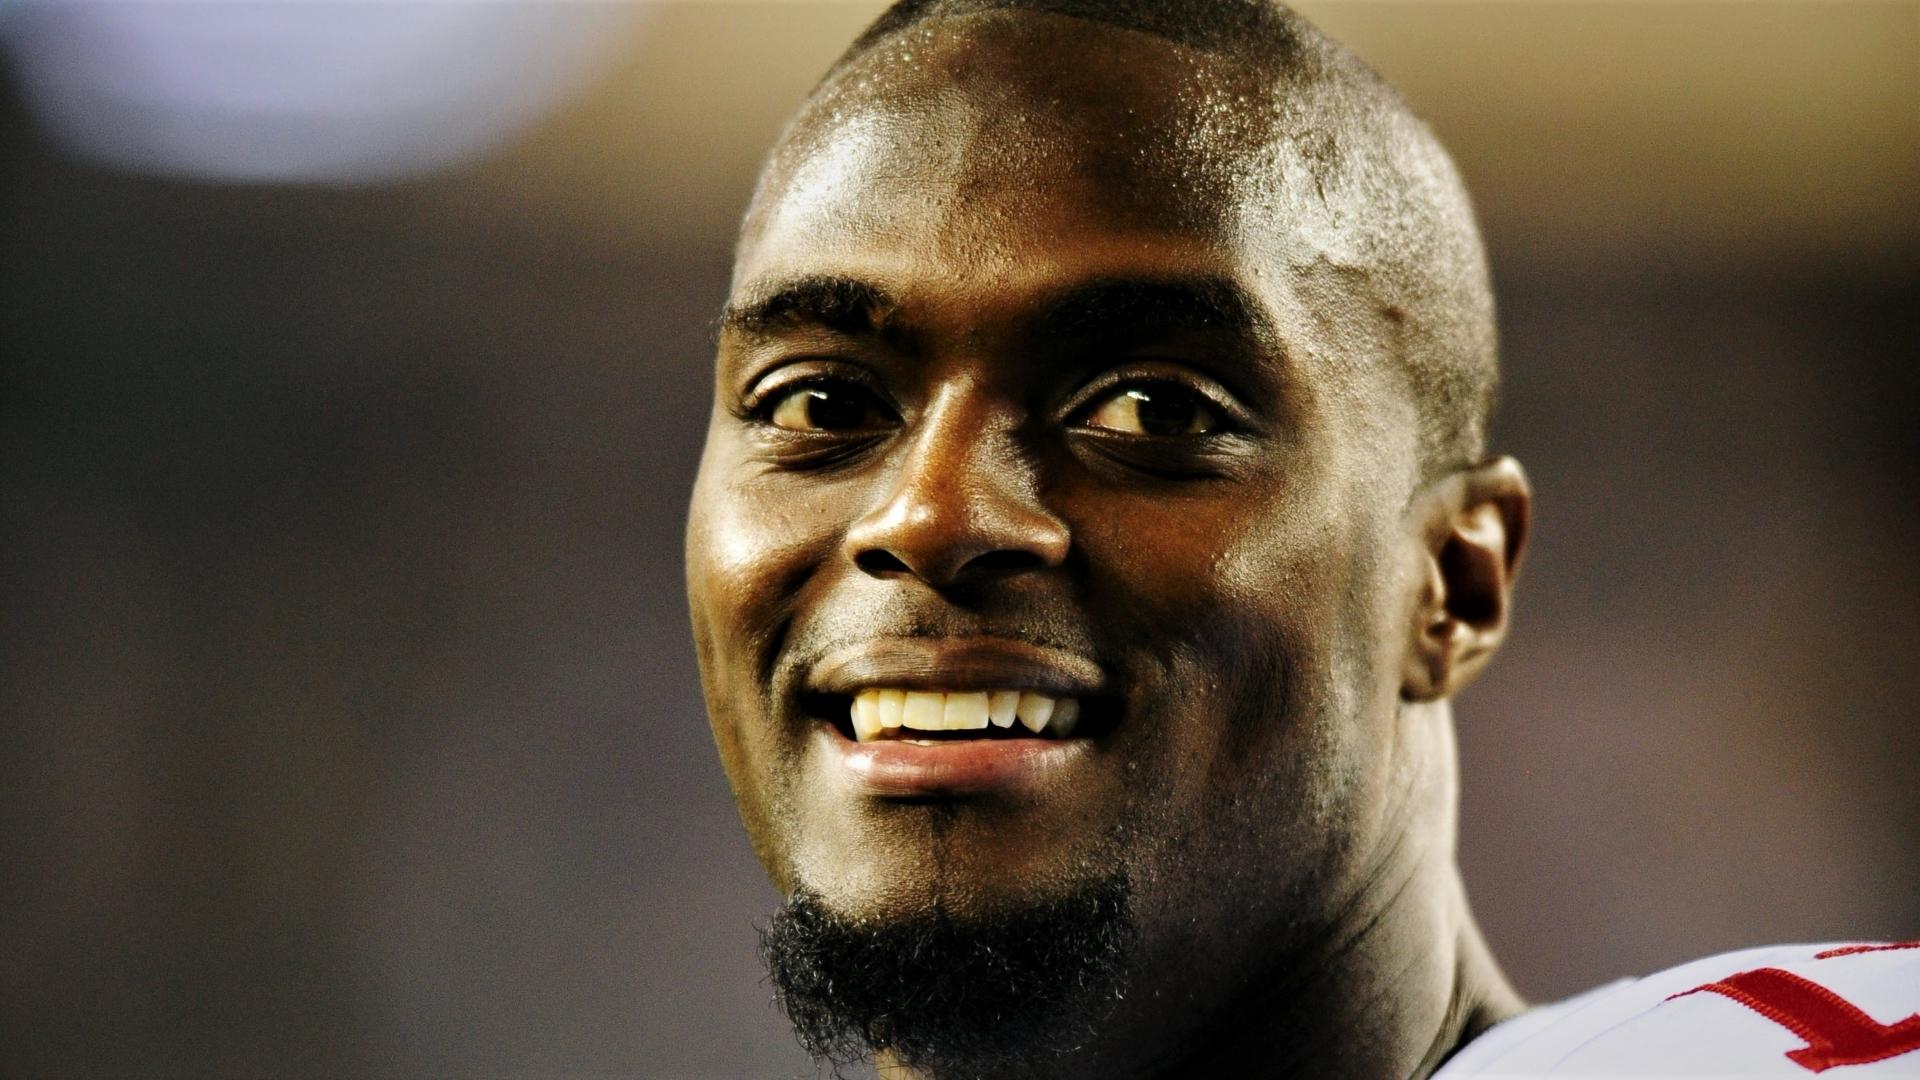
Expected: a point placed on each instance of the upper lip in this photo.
(957, 665)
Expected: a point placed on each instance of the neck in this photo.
(1390, 1000)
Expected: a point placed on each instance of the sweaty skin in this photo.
(968, 274)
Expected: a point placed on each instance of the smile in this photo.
(892, 713)
(920, 717)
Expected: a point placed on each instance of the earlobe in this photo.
(1474, 524)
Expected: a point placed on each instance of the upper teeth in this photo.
(874, 711)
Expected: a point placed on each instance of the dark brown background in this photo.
(350, 724)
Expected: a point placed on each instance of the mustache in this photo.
(1040, 621)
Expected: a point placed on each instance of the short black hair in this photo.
(1218, 26)
(1421, 234)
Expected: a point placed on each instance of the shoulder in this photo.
(1786, 1010)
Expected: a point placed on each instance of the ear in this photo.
(1474, 527)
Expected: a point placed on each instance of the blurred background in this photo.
(349, 401)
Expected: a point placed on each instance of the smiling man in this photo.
(1093, 526)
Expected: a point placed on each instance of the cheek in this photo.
(1246, 582)
(750, 546)
(1257, 623)
(1231, 625)
(748, 550)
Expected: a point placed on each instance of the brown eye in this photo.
(1159, 409)
(818, 407)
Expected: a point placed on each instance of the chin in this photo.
(968, 859)
(889, 886)
(1001, 990)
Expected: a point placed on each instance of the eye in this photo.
(827, 406)
(1158, 408)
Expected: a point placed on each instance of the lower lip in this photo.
(901, 769)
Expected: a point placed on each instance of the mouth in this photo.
(918, 717)
(935, 689)
(932, 716)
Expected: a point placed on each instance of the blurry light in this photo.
(303, 92)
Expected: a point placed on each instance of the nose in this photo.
(963, 506)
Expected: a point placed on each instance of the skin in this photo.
(1281, 605)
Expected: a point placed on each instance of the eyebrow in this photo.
(848, 305)
(1101, 306)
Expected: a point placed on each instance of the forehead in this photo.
(988, 138)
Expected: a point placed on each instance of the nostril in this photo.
(880, 562)
(1006, 561)
(997, 563)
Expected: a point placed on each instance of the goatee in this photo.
(1001, 995)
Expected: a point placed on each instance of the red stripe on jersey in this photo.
(1836, 1031)
(1850, 950)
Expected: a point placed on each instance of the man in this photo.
(1094, 524)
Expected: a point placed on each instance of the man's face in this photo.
(1026, 388)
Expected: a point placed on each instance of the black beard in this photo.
(998, 996)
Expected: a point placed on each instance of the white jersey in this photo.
(1790, 1010)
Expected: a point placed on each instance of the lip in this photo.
(956, 665)
(893, 768)
(905, 768)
